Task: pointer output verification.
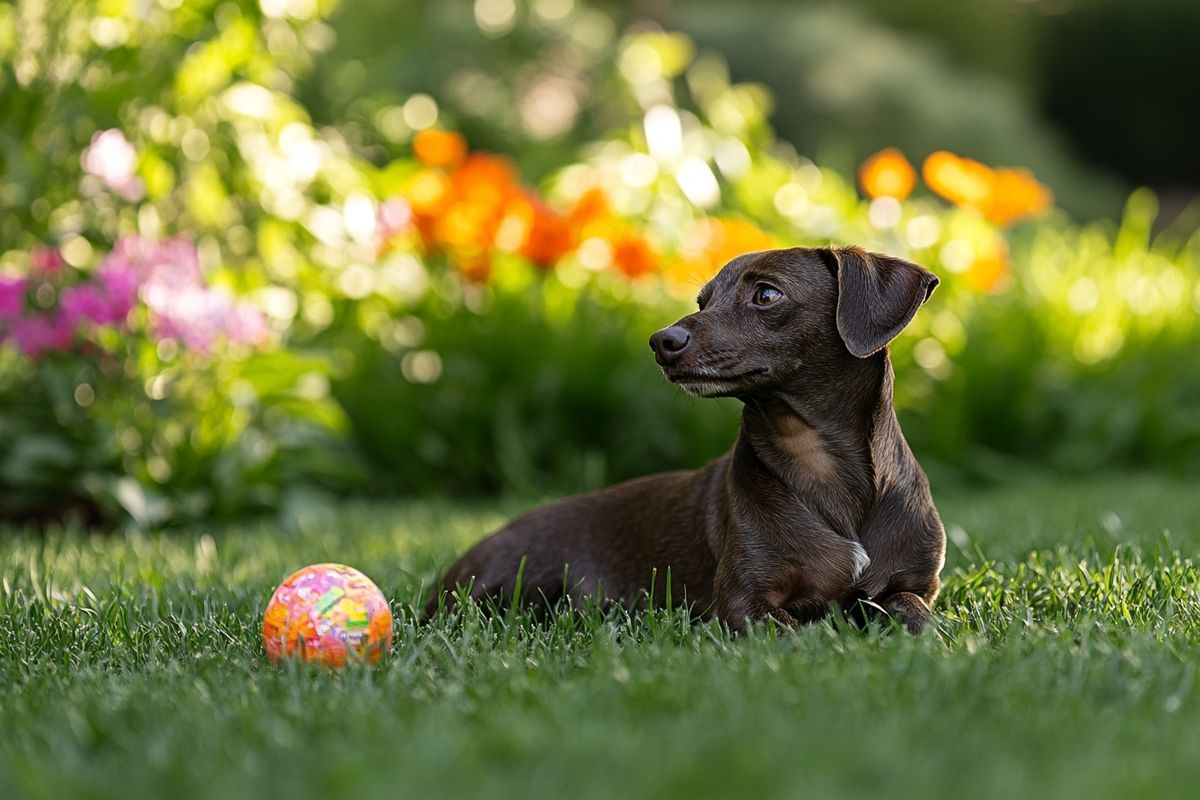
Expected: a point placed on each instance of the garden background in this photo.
(257, 255)
(297, 281)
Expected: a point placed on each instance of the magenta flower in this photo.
(165, 276)
(83, 303)
(105, 301)
(113, 159)
(12, 299)
(42, 333)
(120, 284)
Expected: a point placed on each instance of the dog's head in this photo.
(768, 319)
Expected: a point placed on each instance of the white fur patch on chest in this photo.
(861, 560)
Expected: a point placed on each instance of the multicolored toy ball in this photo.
(329, 614)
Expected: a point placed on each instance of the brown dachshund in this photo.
(819, 503)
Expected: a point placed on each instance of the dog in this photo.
(819, 504)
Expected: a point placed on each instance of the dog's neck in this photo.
(817, 437)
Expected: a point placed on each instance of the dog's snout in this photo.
(669, 343)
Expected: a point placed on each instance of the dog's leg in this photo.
(746, 610)
(910, 610)
(799, 586)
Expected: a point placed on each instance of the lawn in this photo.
(131, 666)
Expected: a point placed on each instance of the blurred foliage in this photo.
(531, 79)
(1150, 110)
(137, 425)
(851, 78)
(540, 387)
(849, 83)
(430, 321)
(1104, 72)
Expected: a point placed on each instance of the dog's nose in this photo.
(669, 343)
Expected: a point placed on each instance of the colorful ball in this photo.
(330, 614)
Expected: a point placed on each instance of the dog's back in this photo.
(618, 543)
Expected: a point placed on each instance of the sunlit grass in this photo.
(131, 665)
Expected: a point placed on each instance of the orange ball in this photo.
(328, 614)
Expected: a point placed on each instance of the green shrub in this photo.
(534, 387)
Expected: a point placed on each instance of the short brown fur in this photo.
(819, 503)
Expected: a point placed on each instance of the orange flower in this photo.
(549, 238)
(592, 206)
(440, 148)
(592, 217)
(485, 179)
(476, 267)
(632, 255)
(460, 213)
(465, 228)
(468, 205)
(962, 181)
(887, 174)
(1016, 194)
(1002, 195)
(533, 230)
(989, 268)
(715, 242)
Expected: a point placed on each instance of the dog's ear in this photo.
(877, 296)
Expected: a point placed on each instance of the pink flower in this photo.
(12, 298)
(246, 325)
(171, 264)
(395, 218)
(190, 314)
(201, 315)
(182, 304)
(113, 159)
(168, 279)
(46, 260)
(42, 333)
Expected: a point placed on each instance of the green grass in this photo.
(131, 666)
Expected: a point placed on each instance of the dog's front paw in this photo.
(911, 611)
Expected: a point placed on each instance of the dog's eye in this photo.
(765, 295)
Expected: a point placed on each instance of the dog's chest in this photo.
(802, 452)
